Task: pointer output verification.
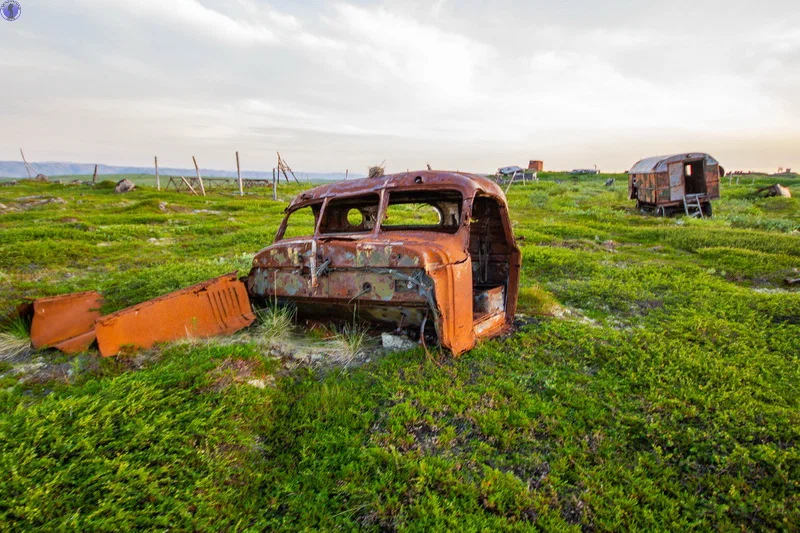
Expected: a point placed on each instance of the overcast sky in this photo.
(461, 85)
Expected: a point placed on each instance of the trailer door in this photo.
(676, 181)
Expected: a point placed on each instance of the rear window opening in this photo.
(350, 215)
(423, 210)
(301, 222)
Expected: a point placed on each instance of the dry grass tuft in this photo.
(15, 339)
(376, 171)
(348, 343)
(275, 324)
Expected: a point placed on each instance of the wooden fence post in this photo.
(239, 173)
(199, 178)
(158, 180)
(274, 186)
(94, 177)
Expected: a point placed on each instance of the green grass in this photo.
(669, 401)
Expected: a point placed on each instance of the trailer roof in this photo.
(659, 163)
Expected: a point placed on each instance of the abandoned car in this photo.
(669, 184)
(429, 252)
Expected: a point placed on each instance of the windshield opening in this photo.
(423, 210)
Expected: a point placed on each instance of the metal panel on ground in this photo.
(215, 307)
(65, 322)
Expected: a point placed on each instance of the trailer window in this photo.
(423, 210)
(356, 214)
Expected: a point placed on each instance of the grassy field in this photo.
(655, 386)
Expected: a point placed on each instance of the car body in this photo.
(427, 251)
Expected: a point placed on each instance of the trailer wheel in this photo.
(707, 209)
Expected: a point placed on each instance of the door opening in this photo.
(694, 177)
(490, 253)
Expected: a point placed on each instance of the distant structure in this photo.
(585, 171)
(669, 184)
(509, 171)
(536, 165)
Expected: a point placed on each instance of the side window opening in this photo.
(350, 215)
(423, 210)
(301, 222)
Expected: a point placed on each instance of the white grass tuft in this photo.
(15, 339)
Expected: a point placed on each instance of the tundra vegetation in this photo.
(653, 384)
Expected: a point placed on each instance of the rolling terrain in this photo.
(653, 382)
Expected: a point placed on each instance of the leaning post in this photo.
(199, 178)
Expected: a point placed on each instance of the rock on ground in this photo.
(123, 186)
(397, 343)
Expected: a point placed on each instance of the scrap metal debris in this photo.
(72, 322)
(430, 253)
(65, 322)
(450, 270)
(215, 307)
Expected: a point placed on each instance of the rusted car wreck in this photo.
(427, 250)
(669, 184)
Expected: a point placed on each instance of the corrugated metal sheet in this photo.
(659, 163)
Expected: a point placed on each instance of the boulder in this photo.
(775, 190)
(124, 185)
(780, 190)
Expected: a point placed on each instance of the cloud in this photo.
(461, 84)
(192, 16)
(386, 49)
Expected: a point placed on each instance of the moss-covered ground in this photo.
(666, 399)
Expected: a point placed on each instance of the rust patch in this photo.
(65, 322)
(215, 307)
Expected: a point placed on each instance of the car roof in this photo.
(424, 180)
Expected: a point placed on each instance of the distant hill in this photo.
(15, 169)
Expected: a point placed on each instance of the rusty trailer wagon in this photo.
(668, 184)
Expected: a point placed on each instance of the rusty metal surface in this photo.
(407, 277)
(660, 180)
(660, 163)
(65, 322)
(214, 307)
